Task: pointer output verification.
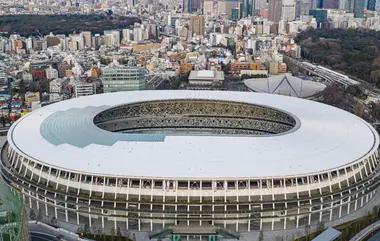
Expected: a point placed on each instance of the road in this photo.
(41, 233)
(373, 236)
(331, 76)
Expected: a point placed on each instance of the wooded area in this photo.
(352, 51)
(27, 25)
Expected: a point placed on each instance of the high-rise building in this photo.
(320, 15)
(123, 78)
(274, 13)
(76, 42)
(342, 4)
(137, 34)
(304, 6)
(195, 5)
(235, 14)
(371, 5)
(208, 7)
(231, 4)
(222, 7)
(359, 8)
(191, 5)
(288, 10)
(114, 35)
(250, 6)
(197, 25)
(330, 4)
(241, 9)
(87, 39)
(126, 35)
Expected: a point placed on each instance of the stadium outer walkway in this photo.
(286, 235)
(365, 234)
(279, 235)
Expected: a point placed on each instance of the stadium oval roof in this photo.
(285, 84)
(326, 139)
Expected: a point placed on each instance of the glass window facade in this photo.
(123, 79)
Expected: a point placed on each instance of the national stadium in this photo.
(190, 161)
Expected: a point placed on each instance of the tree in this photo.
(32, 214)
(118, 234)
(261, 235)
(54, 221)
(112, 234)
(99, 232)
(354, 90)
(359, 109)
(80, 230)
(86, 229)
(320, 228)
(375, 76)
(39, 216)
(307, 232)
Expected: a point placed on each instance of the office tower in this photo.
(195, 5)
(304, 6)
(235, 14)
(371, 5)
(241, 9)
(185, 6)
(208, 7)
(87, 39)
(342, 4)
(114, 36)
(330, 4)
(127, 35)
(297, 8)
(274, 13)
(222, 7)
(197, 25)
(231, 4)
(359, 8)
(131, 2)
(190, 6)
(137, 34)
(320, 16)
(251, 7)
(288, 10)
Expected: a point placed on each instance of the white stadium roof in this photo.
(285, 84)
(327, 138)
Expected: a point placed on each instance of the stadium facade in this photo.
(150, 160)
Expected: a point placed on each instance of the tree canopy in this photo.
(27, 25)
(353, 51)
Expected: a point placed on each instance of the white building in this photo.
(84, 89)
(55, 97)
(123, 78)
(115, 36)
(288, 12)
(51, 73)
(127, 35)
(206, 78)
(56, 85)
(28, 77)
